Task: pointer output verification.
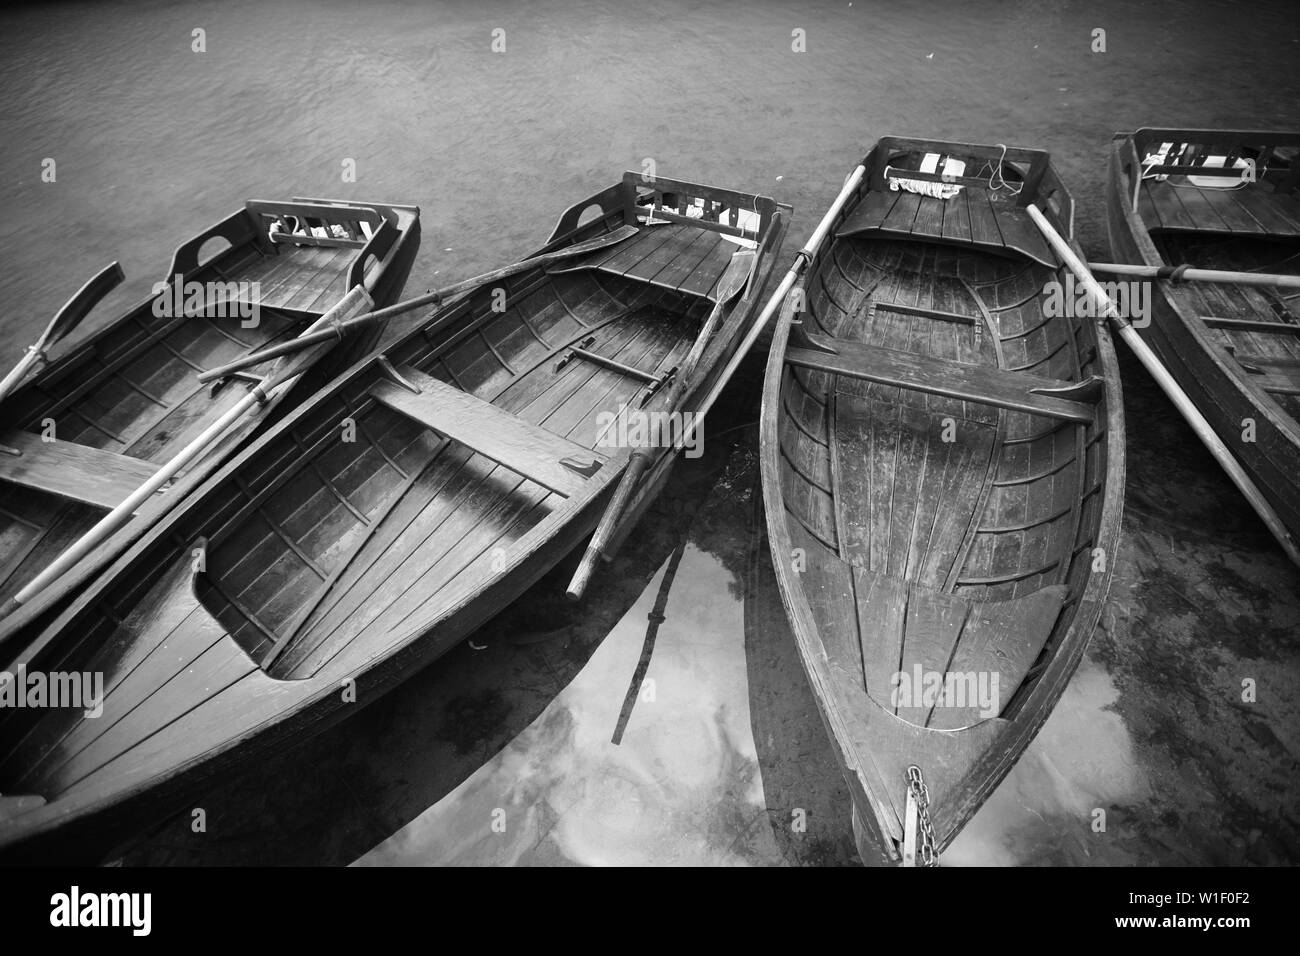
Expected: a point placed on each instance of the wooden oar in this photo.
(357, 300)
(64, 321)
(429, 298)
(1204, 431)
(775, 301)
(733, 279)
(1187, 274)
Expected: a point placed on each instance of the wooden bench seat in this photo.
(302, 279)
(677, 257)
(1252, 210)
(970, 218)
(1018, 391)
(79, 472)
(550, 460)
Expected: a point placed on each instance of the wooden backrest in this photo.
(1192, 147)
(889, 151)
(670, 199)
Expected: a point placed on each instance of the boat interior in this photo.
(942, 441)
(376, 508)
(90, 429)
(1204, 206)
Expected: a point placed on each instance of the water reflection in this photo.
(683, 787)
(1082, 761)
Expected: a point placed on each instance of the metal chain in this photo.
(921, 793)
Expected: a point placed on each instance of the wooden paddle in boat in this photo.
(733, 280)
(259, 396)
(434, 298)
(96, 423)
(373, 528)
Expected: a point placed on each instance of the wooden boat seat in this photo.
(307, 273)
(1018, 391)
(302, 279)
(1254, 210)
(538, 454)
(676, 257)
(969, 218)
(79, 472)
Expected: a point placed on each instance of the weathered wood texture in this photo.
(1235, 349)
(360, 538)
(130, 389)
(934, 499)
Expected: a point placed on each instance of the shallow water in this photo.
(153, 141)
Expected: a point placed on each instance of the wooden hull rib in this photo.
(98, 421)
(377, 525)
(942, 467)
(1235, 349)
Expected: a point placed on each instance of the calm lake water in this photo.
(153, 141)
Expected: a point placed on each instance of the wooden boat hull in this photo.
(1214, 364)
(935, 519)
(125, 400)
(377, 525)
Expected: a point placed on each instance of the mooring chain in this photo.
(921, 794)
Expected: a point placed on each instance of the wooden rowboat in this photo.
(1228, 200)
(942, 466)
(384, 519)
(91, 427)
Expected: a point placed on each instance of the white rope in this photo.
(996, 174)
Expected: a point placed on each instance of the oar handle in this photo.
(1204, 430)
(636, 466)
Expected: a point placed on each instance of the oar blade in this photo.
(79, 306)
(737, 274)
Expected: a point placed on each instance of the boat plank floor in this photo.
(431, 548)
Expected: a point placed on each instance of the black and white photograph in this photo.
(585, 433)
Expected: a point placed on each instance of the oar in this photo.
(1188, 274)
(733, 279)
(355, 301)
(1199, 424)
(778, 297)
(429, 298)
(599, 545)
(67, 319)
